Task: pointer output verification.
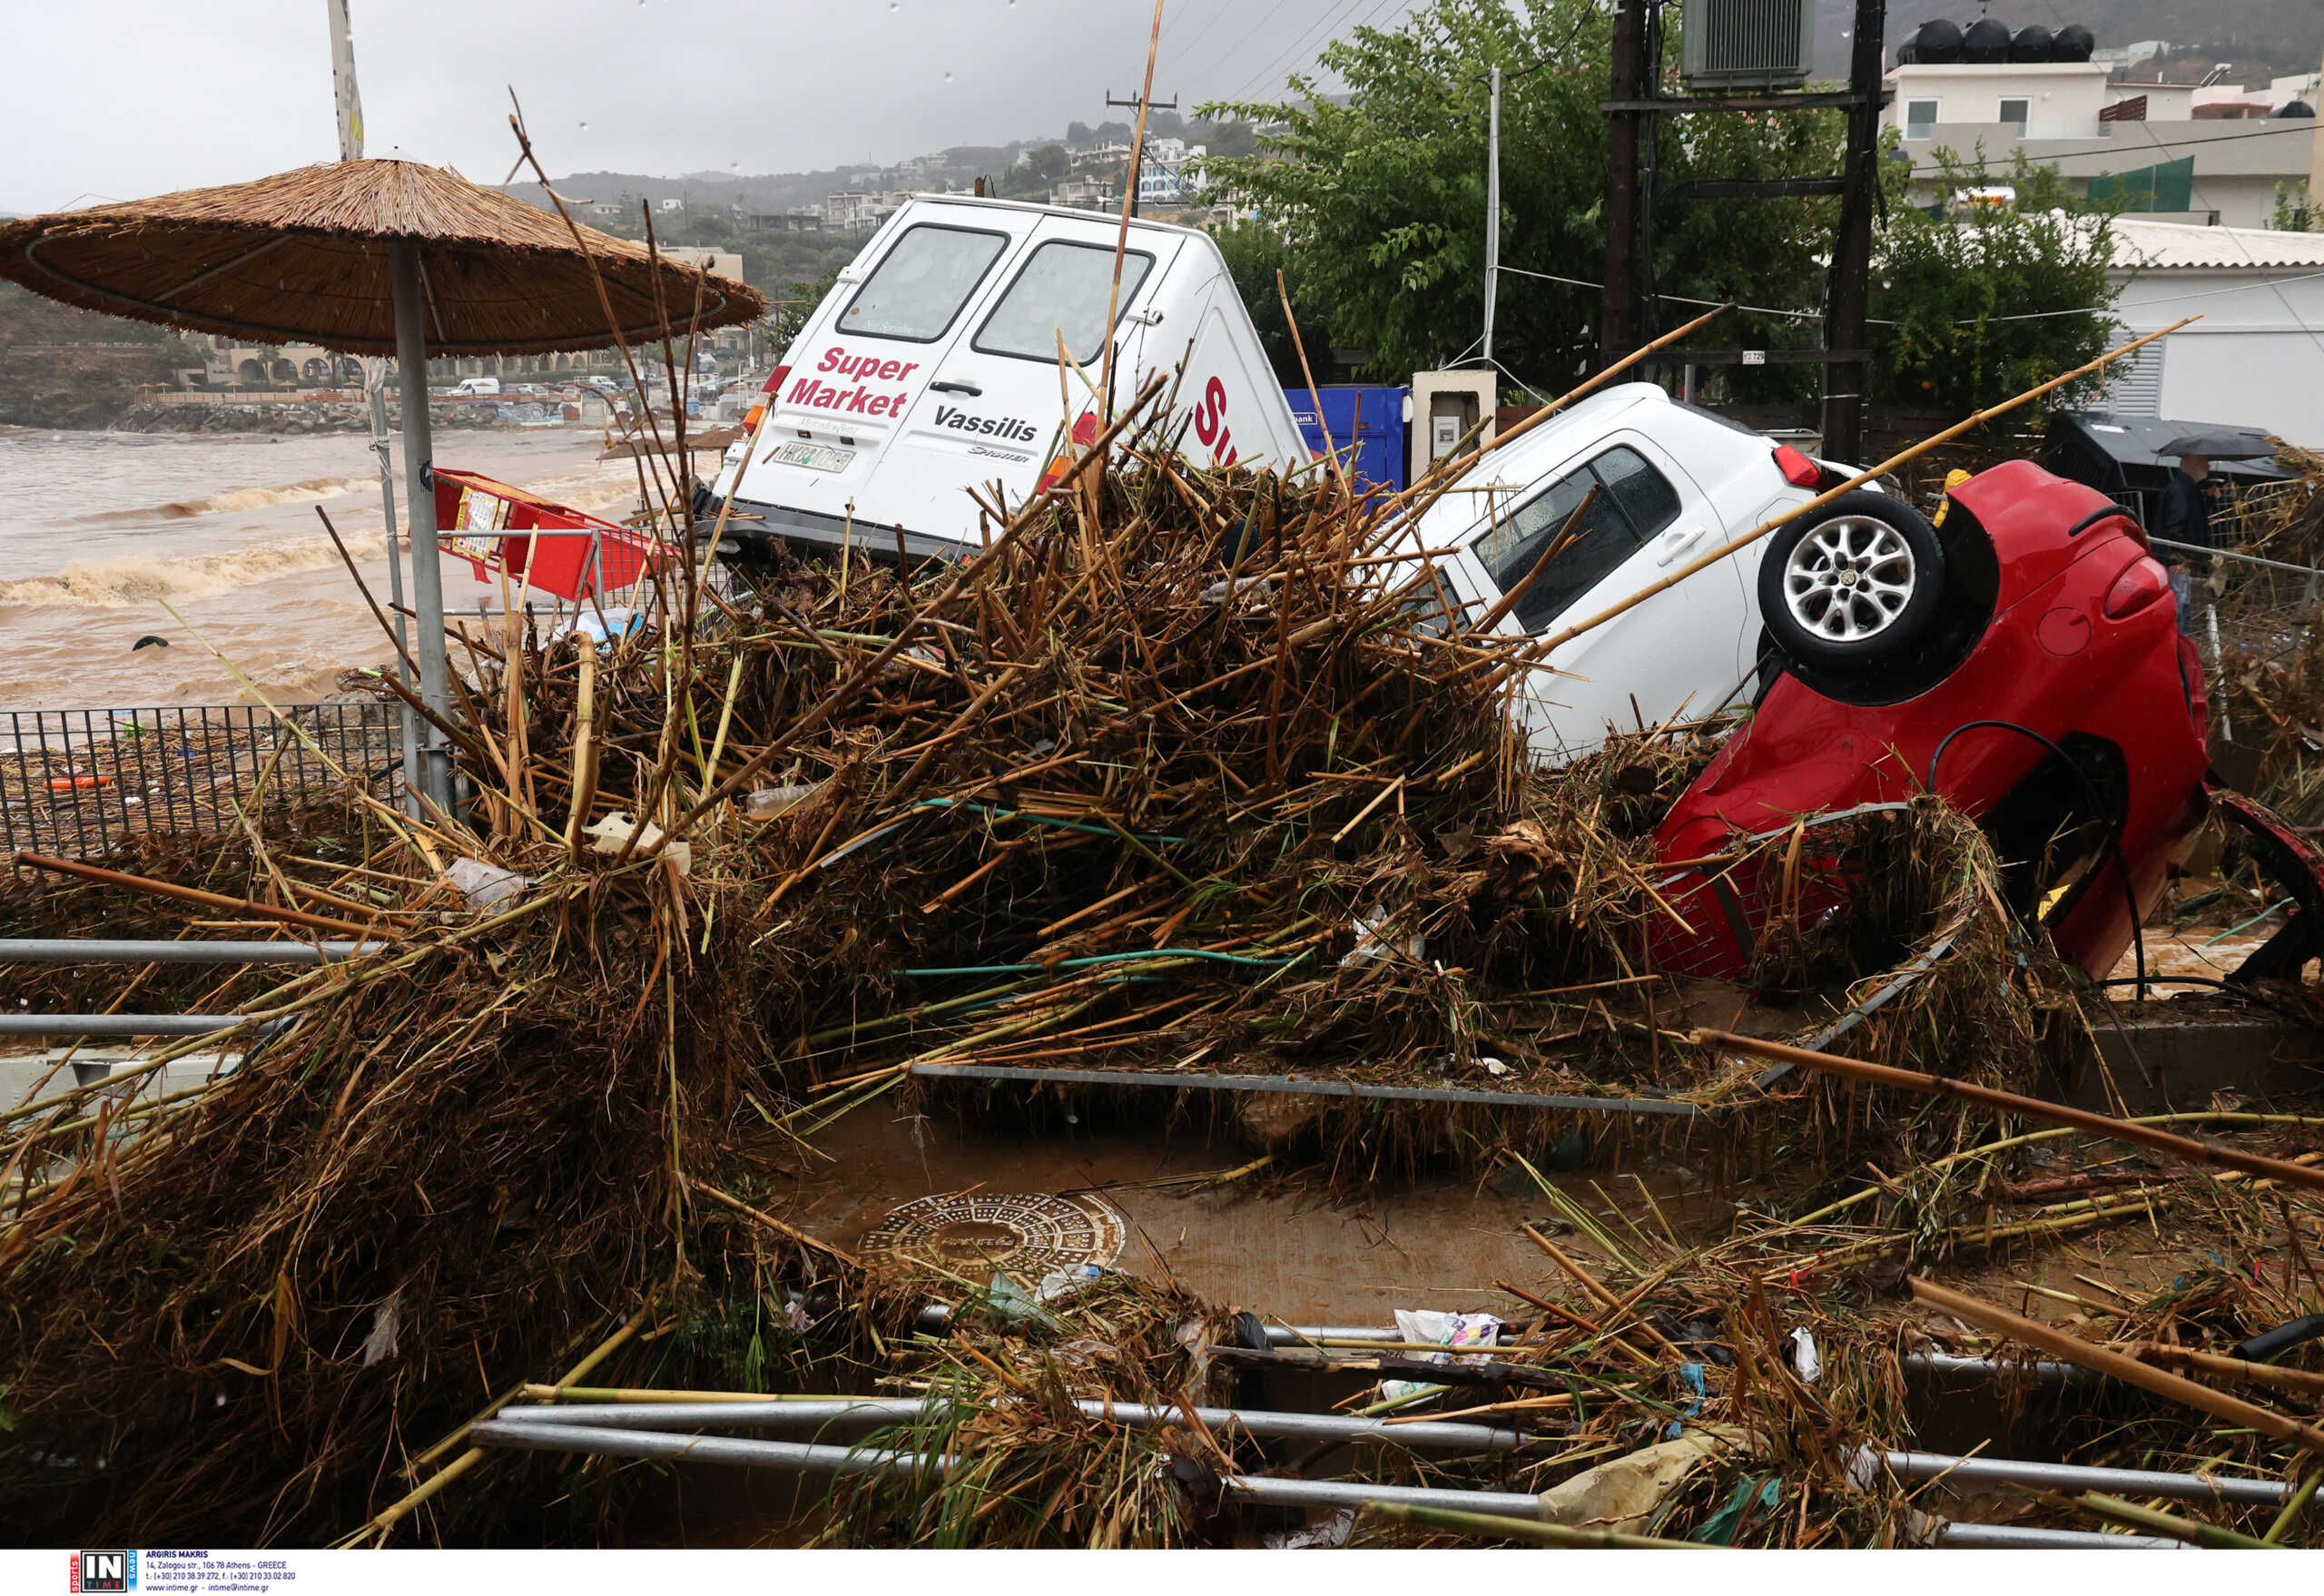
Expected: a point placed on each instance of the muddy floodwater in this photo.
(1298, 1257)
(102, 534)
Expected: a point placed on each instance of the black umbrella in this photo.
(2219, 446)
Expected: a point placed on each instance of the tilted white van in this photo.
(933, 367)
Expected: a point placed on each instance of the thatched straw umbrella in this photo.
(372, 258)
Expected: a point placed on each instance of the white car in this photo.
(1673, 483)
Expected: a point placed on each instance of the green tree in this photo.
(1254, 252)
(1380, 195)
(1985, 299)
(795, 304)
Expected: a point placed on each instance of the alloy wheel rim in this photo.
(1849, 579)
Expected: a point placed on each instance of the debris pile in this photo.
(1187, 776)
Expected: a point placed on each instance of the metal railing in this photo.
(2249, 611)
(78, 782)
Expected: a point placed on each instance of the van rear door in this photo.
(999, 408)
(858, 369)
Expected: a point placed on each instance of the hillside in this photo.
(2283, 35)
(60, 366)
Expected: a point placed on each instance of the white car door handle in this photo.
(1670, 545)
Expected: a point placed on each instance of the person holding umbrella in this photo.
(2184, 516)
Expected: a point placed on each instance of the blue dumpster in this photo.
(1366, 426)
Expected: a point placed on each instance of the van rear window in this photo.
(1063, 288)
(921, 284)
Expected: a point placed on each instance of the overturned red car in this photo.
(2020, 657)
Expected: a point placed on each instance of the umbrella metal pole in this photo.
(419, 505)
(375, 382)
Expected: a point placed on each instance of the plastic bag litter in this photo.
(1805, 1360)
(604, 625)
(1334, 1531)
(1622, 1495)
(610, 834)
(1448, 1330)
(486, 886)
(1368, 946)
(774, 802)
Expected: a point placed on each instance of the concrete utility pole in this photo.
(1849, 299)
(349, 102)
(1492, 212)
(1137, 155)
(1618, 311)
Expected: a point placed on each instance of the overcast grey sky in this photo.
(125, 98)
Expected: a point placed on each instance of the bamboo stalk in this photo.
(2129, 1371)
(386, 1520)
(2123, 1130)
(771, 1222)
(584, 745)
(2167, 1523)
(1557, 640)
(1490, 1526)
(116, 878)
(2210, 1362)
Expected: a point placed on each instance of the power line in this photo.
(1308, 39)
(2213, 293)
(1251, 32)
(2290, 127)
(1225, 9)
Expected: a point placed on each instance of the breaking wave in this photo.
(143, 578)
(313, 490)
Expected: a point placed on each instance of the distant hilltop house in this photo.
(228, 364)
(2182, 152)
(1087, 193)
(797, 219)
(1163, 178)
(725, 263)
(854, 211)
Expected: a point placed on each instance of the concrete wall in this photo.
(2241, 167)
(2247, 363)
(2062, 101)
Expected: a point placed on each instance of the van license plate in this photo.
(815, 457)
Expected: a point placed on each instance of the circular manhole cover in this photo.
(1031, 1233)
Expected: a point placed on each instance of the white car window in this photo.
(1064, 288)
(921, 284)
(1634, 502)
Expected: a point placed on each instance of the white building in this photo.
(863, 208)
(725, 263)
(2052, 100)
(2174, 156)
(1087, 193)
(1163, 178)
(2256, 356)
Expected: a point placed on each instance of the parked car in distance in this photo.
(470, 386)
(2036, 679)
(1671, 482)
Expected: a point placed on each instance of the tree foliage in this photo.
(1375, 203)
(1381, 197)
(1986, 300)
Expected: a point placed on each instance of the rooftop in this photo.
(2164, 246)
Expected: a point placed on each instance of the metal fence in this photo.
(2262, 609)
(77, 782)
